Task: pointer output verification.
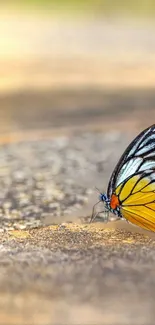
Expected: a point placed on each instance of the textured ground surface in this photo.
(50, 180)
(76, 274)
(72, 272)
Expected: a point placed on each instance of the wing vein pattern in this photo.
(133, 180)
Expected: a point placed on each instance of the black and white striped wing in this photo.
(138, 157)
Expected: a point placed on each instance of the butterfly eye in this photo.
(103, 197)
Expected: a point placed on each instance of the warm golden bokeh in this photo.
(67, 54)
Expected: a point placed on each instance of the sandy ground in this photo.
(77, 274)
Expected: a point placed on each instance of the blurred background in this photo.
(76, 64)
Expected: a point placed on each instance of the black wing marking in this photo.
(139, 156)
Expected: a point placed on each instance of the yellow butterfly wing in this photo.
(137, 199)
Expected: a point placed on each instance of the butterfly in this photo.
(131, 190)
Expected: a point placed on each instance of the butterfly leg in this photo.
(93, 217)
(98, 214)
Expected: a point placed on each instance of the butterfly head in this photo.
(112, 204)
(103, 197)
(107, 202)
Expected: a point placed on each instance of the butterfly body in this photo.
(131, 189)
(112, 205)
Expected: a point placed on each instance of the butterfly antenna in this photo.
(98, 190)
